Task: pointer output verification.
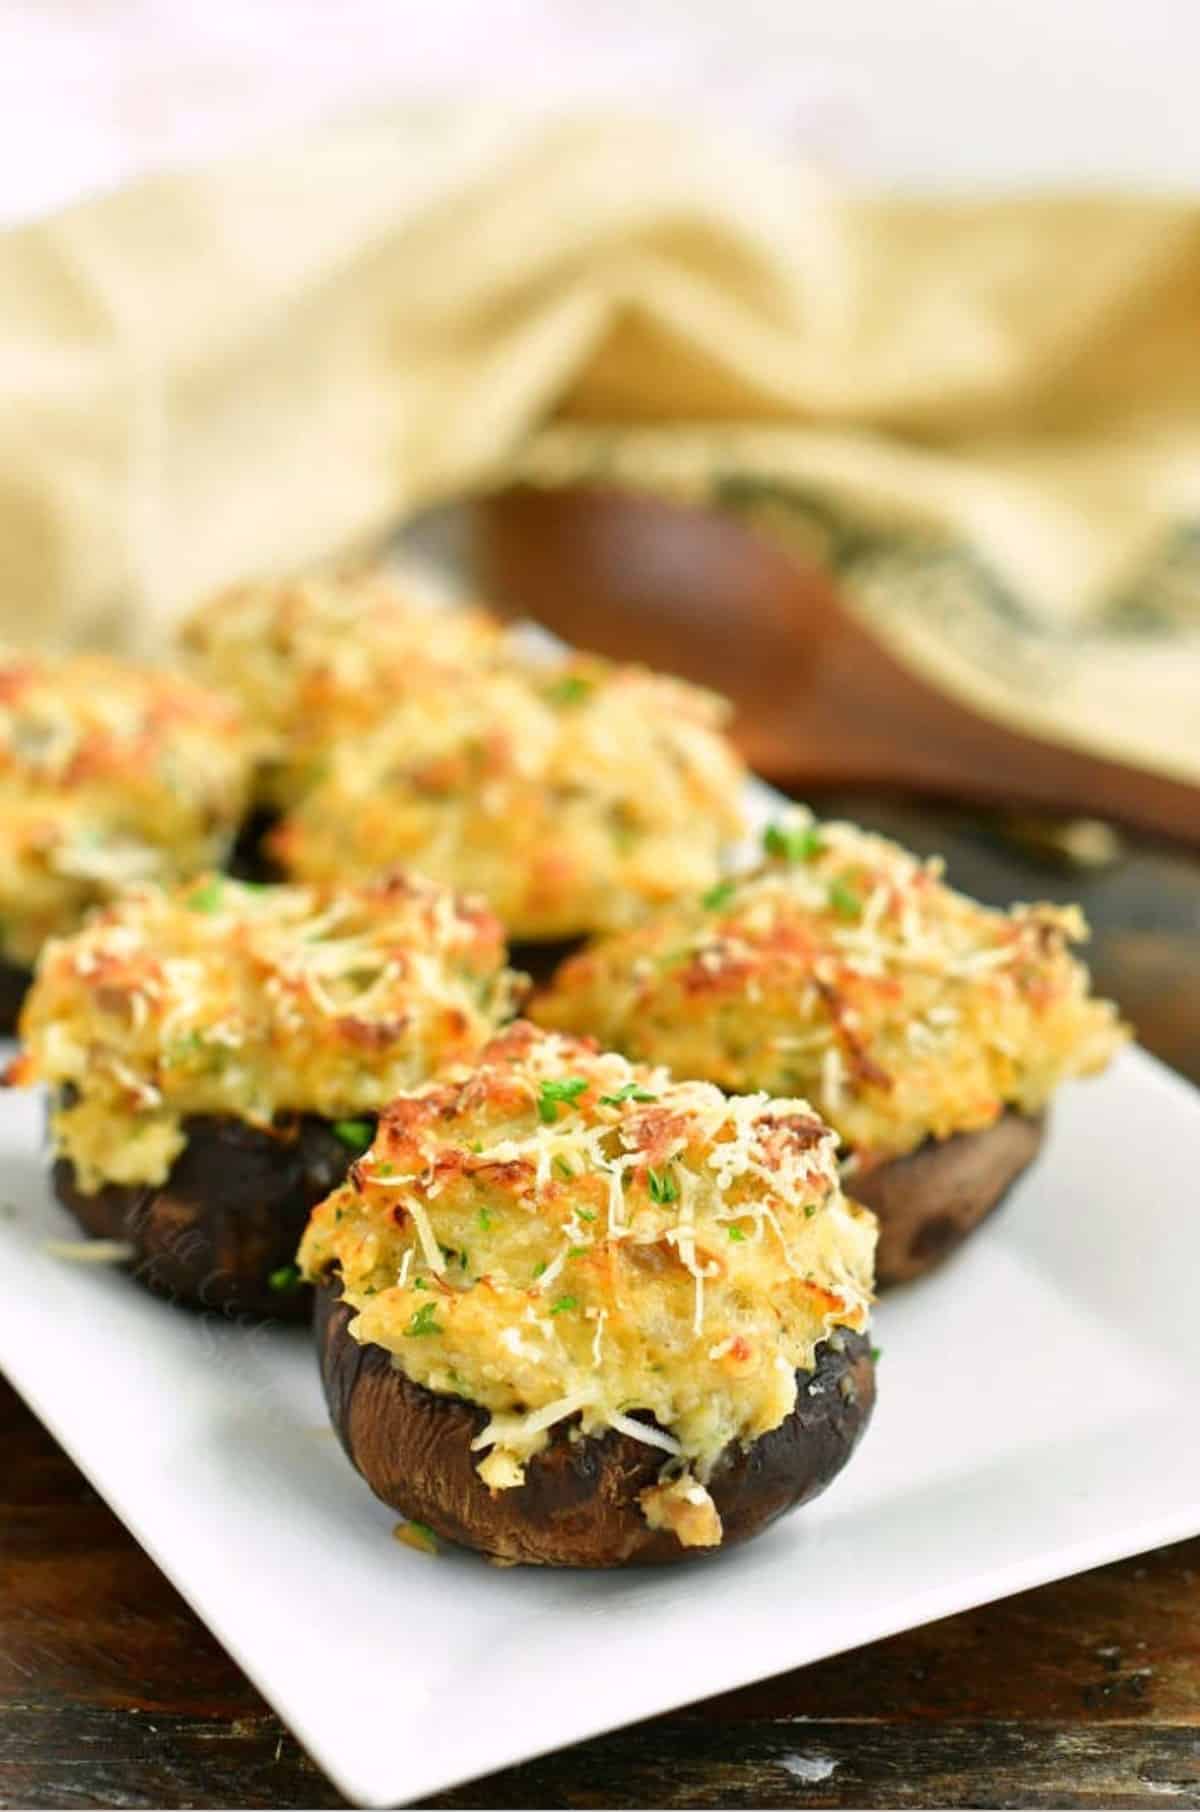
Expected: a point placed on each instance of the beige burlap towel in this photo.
(985, 415)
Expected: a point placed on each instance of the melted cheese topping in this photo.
(559, 1234)
(323, 657)
(109, 774)
(570, 796)
(253, 1002)
(850, 973)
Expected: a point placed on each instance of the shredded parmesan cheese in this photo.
(846, 970)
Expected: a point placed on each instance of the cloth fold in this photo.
(985, 415)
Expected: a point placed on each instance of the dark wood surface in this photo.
(1085, 1693)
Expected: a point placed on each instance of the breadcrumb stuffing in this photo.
(570, 795)
(845, 970)
(254, 1002)
(110, 775)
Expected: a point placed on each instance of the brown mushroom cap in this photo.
(578, 1505)
(929, 1201)
(230, 1213)
(14, 983)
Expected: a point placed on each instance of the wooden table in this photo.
(1085, 1693)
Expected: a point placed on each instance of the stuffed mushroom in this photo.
(109, 774)
(573, 1312)
(217, 1055)
(572, 794)
(930, 1031)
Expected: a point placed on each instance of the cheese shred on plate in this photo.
(110, 774)
(844, 969)
(614, 1250)
(254, 1003)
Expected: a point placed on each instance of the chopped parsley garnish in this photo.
(631, 1091)
(718, 896)
(576, 1251)
(423, 1321)
(563, 1168)
(585, 1214)
(736, 1234)
(876, 1354)
(357, 1134)
(792, 842)
(208, 897)
(286, 1278)
(810, 1208)
(563, 1304)
(416, 1535)
(663, 1187)
(539, 1268)
(556, 1090)
(419, 1283)
(571, 689)
(485, 1219)
(844, 899)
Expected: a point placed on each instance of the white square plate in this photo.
(1036, 1416)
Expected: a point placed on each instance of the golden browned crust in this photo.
(570, 795)
(110, 774)
(244, 1002)
(845, 970)
(322, 657)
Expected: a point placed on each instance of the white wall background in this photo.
(929, 93)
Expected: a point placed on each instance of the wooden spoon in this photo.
(819, 701)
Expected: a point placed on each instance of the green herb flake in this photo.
(416, 1535)
(485, 1219)
(419, 1283)
(718, 896)
(844, 899)
(576, 1251)
(208, 896)
(810, 1208)
(423, 1321)
(793, 842)
(558, 1090)
(876, 1354)
(357, 1134)
(539, 1268)
(736, 1235)
(571, 689)
(563, 1304)
(632, 1091)
(663, 1187)
(585, 1214)
(563, 1169)
(285, 1279)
